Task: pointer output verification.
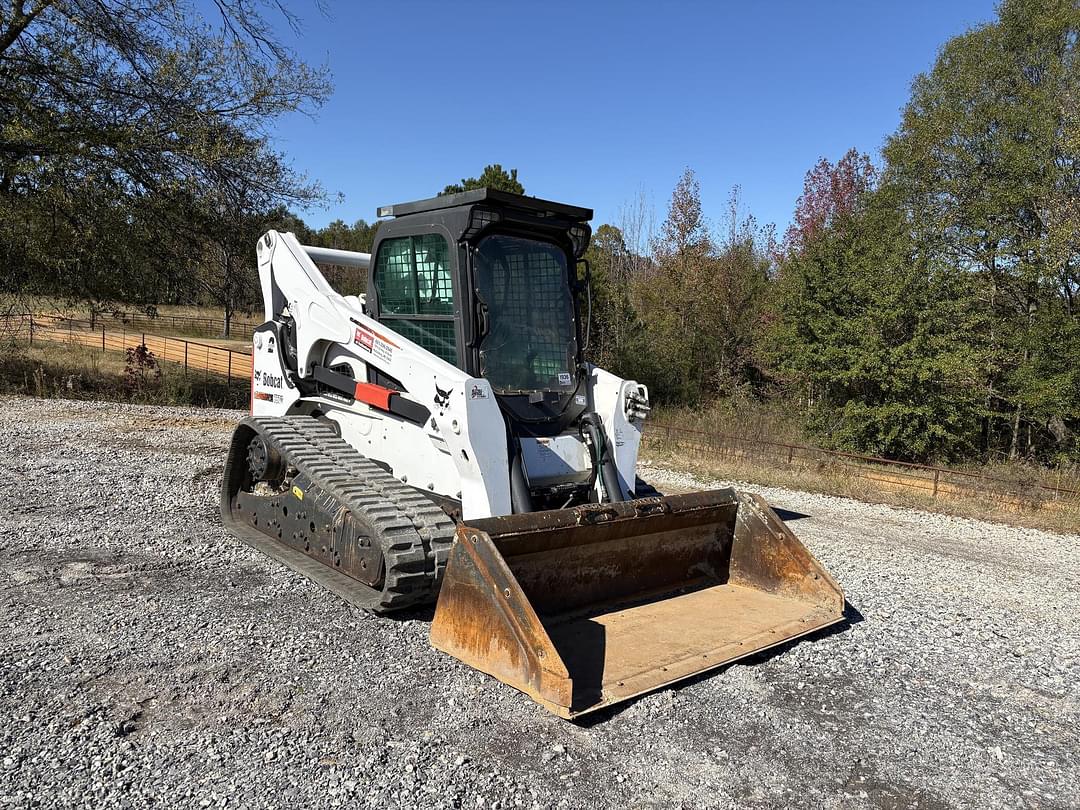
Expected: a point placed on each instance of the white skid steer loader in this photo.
(443, 438)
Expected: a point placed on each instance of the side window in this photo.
(416, 292)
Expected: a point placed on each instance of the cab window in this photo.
(416, 294)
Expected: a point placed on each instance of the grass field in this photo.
(161, 319)
(75, 372)
(773, 423)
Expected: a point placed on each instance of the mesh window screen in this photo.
(395, 278)
(412, 277)
(531, 342)
(435, 336)
(436, 293)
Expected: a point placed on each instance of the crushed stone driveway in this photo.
(148, 659)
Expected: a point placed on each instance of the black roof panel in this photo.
(487, 195)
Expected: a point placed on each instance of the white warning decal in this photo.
(371, 342)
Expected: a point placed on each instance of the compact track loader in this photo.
(441, 437)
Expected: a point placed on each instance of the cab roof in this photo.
(492, 197)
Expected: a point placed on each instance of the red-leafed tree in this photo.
(829, 192)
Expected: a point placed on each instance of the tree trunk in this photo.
(227, 298)
(1014, 443)
(987, 422)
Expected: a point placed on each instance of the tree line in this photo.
(923, 310)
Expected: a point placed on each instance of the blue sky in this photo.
(593, 101)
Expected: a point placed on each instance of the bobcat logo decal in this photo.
(442, 398)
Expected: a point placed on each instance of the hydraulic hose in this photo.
(520, 499)
(609, 475)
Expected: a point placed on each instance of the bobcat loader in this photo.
(443, 438)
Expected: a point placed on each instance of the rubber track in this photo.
(415, 534)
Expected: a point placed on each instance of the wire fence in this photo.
(239, 325)
(928, 480)
(194, 356)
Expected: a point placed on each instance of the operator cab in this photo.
(488, 281)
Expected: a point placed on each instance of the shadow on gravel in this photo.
(421, 613)
(787, 515)
(852, 616)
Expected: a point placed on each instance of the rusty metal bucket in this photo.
(582, 608)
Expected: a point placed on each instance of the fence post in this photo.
(790, 453)
(228, 373)
(936, 474)
(31, 330)
(185, 356)
(103, 338)
(93, 318)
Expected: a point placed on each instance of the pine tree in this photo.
(494, 176)
(877, 334)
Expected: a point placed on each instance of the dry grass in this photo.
(829, 479)
(774, 421)
(74, 372)
(1016, 497)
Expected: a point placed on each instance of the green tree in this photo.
(358, 237)
(614, 320)
(987, 166)
(128, 130)
(875, 334)
(740, 291)
(670, 300)
(494, 176)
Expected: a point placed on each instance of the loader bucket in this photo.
(582, 608)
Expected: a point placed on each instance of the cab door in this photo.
(414, 291)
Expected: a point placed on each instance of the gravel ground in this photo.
(148, 658)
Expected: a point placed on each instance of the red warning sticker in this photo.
(364, 339)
